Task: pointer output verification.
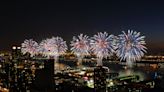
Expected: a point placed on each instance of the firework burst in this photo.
(130, 47)
(80, 46)
(46, 48)
(102, 46)
(29, 46)
(61, 46)
(53, 47)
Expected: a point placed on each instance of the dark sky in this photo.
(39, 20)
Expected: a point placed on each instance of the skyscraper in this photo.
(44, 78)
(16, 52)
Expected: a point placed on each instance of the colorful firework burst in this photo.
(53, 47)
(80, 45)
(46, 48)
(102, 46)
(29, 46)
(130, 46)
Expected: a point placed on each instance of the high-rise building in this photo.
(16, 52)
(44, 78)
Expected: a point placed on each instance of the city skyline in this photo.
(41, 20)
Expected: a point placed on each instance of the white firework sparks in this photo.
(46, 48)
(131, 47)
(53, 47)
(102, 46)
(61, 46)
(80, 46)
(29, 46)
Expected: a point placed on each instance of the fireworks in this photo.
(46, 48)
(53, 47)
(130, 46)
(61, 46)
(102, 46)
(80, 46)
(29, 46)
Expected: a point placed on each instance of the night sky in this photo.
(40, 20)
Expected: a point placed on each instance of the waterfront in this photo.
(71, 78)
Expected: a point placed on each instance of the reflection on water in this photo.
(128, 72)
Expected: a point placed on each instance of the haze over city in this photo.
(44, 19)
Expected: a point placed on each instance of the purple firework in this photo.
(130, 46)
(53, 47)
(80, 46)
(102, 46)
(46, 48)
(29, 46)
